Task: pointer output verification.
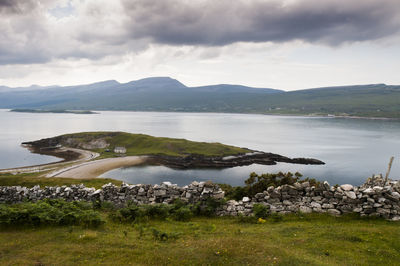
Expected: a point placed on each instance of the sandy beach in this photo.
(94, 169)
(84, 156)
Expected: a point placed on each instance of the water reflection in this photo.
(352, 149)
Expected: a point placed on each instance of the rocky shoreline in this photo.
(197, 161)
(65, 154)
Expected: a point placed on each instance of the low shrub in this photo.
(207, 207)
(49, 212)
(261, 211)
(259, 183)
(157, 211)
(183, 214)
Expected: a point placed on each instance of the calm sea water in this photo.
(353, 149)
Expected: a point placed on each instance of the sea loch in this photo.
(352, 149)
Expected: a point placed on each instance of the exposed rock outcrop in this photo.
(198, 161)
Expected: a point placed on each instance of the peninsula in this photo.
(119, 149)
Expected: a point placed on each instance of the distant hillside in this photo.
(167, 94)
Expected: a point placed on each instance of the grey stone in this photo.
(396, 218)
(368, 191)
(327, 206)
(350, 194)
(245, 199)
(334, 212)
(305, 209)
(395, 195)
(315, 205)
(326, 185)
(287, 202)
(346, 187)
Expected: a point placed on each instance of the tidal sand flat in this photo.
(96, 168)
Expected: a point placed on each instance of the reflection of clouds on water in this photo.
(234, 176)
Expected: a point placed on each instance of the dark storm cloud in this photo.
(98, 28)
(17, 6)
(223, 22)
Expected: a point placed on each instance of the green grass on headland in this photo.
(31, 180)
(314, 239)
(140, 144)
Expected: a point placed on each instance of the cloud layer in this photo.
(93, 29)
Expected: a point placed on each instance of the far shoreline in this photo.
(235, 113)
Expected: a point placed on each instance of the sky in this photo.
(286, 44)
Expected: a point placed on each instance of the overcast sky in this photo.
(288, 45)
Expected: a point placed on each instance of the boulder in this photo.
(396, 218)
(334, 212)
(245, 199)
(305, 209)
(346, 187)
(315, 205)
(350, 194)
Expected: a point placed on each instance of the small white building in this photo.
(120, 150)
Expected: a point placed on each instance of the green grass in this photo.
(296, 240)
(31, 180)
(140, 144)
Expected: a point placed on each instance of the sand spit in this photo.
(96, 168)
(84, 156)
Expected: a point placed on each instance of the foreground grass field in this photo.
(294, 240)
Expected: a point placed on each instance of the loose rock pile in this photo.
(374, 198)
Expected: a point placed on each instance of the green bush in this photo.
(259, 183)
(157, 211)
(247, 219)
(207, 207)
(183, 214)
(49, 212)
(261, 211)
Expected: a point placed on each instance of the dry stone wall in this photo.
(374, 198)
(138, 194)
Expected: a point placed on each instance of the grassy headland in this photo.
(140, 144)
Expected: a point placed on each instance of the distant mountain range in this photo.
(167, 94)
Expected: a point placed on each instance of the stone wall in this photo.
(374, 198)
(139, 194)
